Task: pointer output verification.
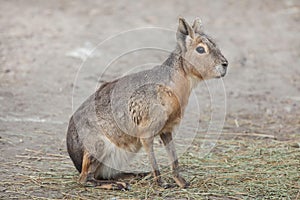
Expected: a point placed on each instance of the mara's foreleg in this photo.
(148, 146)
(170, 148)
(89, 167)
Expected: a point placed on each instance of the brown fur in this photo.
(126, 114)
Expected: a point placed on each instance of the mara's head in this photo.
(202, 58)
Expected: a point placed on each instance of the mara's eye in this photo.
(200, 49)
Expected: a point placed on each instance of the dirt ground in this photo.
(42, 45)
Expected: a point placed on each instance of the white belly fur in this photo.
(113, 160)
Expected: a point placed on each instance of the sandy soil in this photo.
(39, 59)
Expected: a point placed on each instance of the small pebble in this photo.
(295, 145)
(2, 189)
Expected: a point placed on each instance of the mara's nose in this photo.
(225, 63)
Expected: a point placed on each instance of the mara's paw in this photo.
(109, 185)
(115, 186)
(181, 182)
(163, 184)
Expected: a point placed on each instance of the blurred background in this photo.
(43, 44)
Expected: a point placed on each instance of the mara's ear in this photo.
(197, 26)
(184, 30)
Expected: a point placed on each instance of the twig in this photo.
(39, 158)
(250, 134)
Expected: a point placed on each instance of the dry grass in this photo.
(243, 168)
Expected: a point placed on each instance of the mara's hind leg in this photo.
(89, 167)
